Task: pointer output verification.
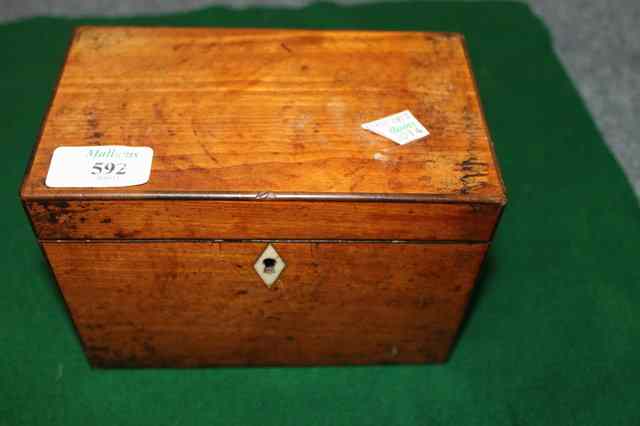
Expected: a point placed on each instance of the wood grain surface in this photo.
(256, 136)
(202, 219)
(179, 304)
(272, 111)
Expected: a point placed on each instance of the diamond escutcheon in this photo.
(269, 266)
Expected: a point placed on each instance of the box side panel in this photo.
(239, 220)
(162, 304)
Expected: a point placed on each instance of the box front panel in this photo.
(248, 220)
(204, 303)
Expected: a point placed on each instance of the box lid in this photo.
(253, 114)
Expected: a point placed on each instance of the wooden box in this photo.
(257, 142)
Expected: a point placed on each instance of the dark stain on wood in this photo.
(285, 47)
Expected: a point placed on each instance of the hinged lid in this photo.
(246, 116)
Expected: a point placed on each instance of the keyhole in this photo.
(269, 265)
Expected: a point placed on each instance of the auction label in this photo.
(99, 166)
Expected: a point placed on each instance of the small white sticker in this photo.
(401, 128)
(99, 166)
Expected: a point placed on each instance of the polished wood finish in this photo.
(179, 219)
(154, 304)
(272, 111)
(256, 137)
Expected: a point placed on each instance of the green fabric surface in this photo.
(552, 337)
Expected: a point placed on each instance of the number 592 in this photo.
(102, 169)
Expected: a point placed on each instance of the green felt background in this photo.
(553, 336)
